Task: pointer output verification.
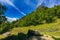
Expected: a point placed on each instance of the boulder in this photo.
(35, 35)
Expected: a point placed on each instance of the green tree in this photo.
(3, 19)
(50, 15)
(39, 16)
(2, 10)
(58, 13)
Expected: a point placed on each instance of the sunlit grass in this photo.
(52, 29)
(49, 29)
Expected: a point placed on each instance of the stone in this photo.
(6, 34)
(46, 37)
(35, 35)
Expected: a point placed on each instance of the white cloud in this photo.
(11, 19)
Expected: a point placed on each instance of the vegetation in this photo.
(4, 24)
(40, 16)
(2, 17)
(52, 29)
(43, 19)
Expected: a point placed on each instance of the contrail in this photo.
(10, 3)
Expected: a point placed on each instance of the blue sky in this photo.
(18, 8)
(15, 6)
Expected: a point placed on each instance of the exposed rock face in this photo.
(35, 35)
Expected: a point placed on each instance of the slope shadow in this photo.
(20, 36)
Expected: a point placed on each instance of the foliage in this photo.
(40, 16)
(4, 25)
(2, 10)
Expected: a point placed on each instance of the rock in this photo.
(46, 37)
(35, 35)
(34, 38)
(6, 34)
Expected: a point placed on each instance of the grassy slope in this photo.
(52, 29)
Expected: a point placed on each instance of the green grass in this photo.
(52, 29)
(56, 38)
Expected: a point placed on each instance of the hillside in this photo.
(41, 15)
(52, 29)
(45, 20)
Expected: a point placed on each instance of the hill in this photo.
(52, 29)
(40, 16)
(45, 20)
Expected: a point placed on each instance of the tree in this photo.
(39, 16)
(58, 13)
(2, 17)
